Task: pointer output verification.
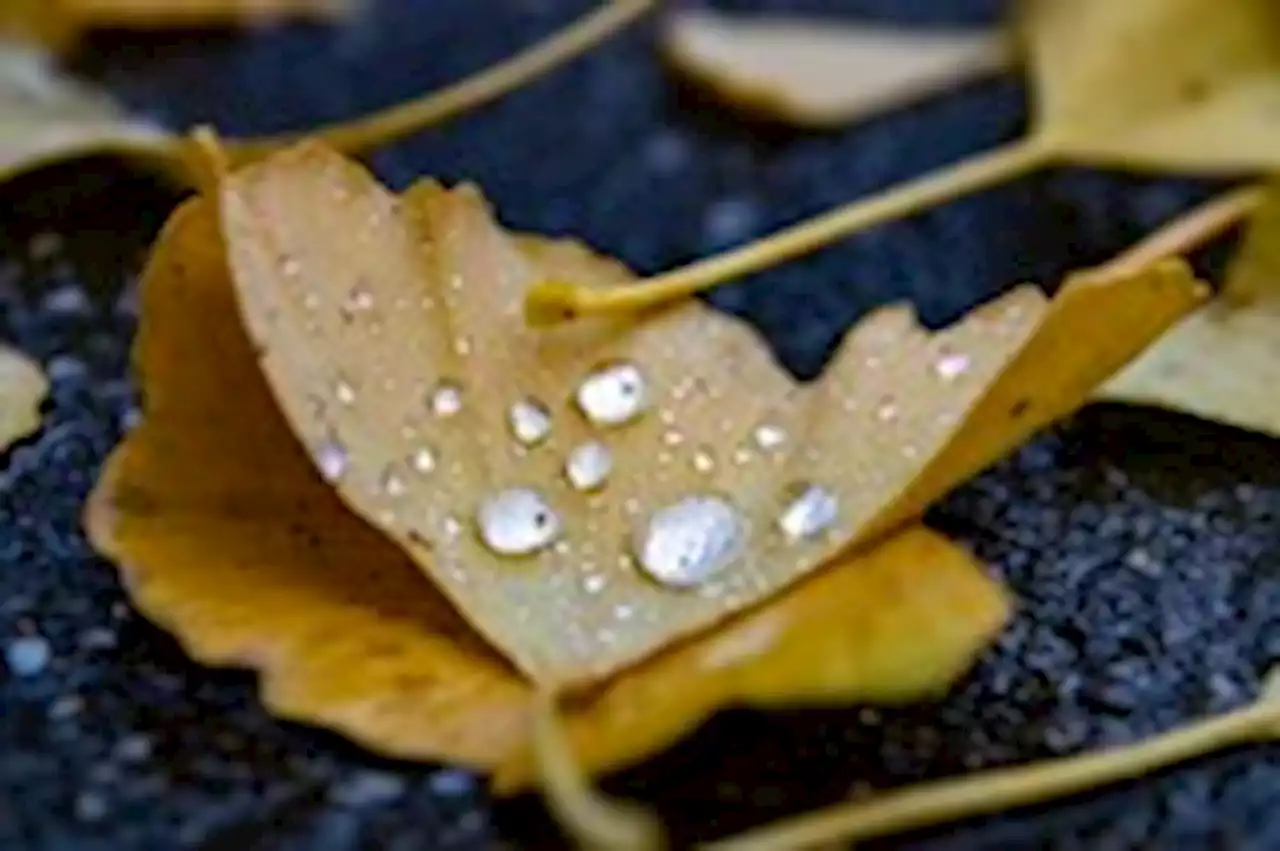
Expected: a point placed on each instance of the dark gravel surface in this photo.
(1141, 544)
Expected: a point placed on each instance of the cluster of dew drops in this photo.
(682, 545)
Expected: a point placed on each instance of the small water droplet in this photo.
(450, 528)
(344, 393)
(588, 466)
(672, 438)
(593, 584)
(769, 437)
(530, 422)
(331, 458)
(311, 301)
(887, 412)
(423, 460)
(703, 462)
(667, 416)
(462, 346)
(950, 367)
(813, 510)
(359, 299)
(517, 522)
(741, 456)
(446, 399)
(391, 484)
(613, 395)
(291, 267)
(686, 543)
(623, 611)
(631, 506)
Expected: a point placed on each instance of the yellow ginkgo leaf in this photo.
(22, 389)
(1220, 362)
(1166, 85)
(590, 495)
(1163, 84)
(824, 73)
(45, 117)
(58, 24)
(254, 561)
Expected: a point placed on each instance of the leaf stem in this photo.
(1007, 788)
(593, 821)
(554, 301)
(397, 122)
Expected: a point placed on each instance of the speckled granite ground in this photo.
(1141, 544)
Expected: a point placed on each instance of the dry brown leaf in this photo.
(824, 73)
(1164, 84)
(256, 562)
(391, 333)
(59, 24)
(22, 389)
(1221, 362)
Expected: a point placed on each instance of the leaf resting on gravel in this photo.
(287, 523)
(22, 389)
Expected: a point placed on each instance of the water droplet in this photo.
(741, 456)
(769, 437)
(672, 438)
(358, 300)
(311, 301)
(446, 399)
(703, 462)
(517, 522)
(424, 460)
(613, 395)
(814, 509)
(530, 422)
(951, 366)
(291, 267)
(462, 346)
(391, 484)
(623, 611)
(450, 528)
(686, 543)
(593, 584)
(588, 466)
(344, 393)
(887, 412)
(331, 458)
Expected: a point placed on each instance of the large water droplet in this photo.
(613, 395)
(812, 511)
(517, 522)
(686, 543)
(331, 458)
(530, 422)
(446, 399)
(588, 466)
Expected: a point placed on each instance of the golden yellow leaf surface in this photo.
(22, 388)
(392, 336)
(254, 561)
(1164, 84)
(46, 116)
(1222, 361)
(824, 73)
